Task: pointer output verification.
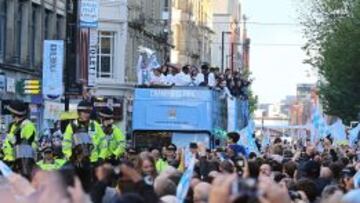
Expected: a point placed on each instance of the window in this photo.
(166, 5)
(105, 66)
(32, 35)
(18, 33)
(47, 25)
(2, 28)
(59, 27)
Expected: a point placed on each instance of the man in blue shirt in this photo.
(233, 138)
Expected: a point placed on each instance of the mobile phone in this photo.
(240, 163)
(302, 154)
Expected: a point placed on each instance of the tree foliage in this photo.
(253, 99)
(332, 28)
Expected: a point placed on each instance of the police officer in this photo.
(82, 125)
(20, 131)
(171, 156)
(112, 144)
(49, 162)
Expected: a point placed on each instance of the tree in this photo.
(253, 99)
(332, 28)
(253, 102)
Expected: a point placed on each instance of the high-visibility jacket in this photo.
(161, 165)
(25, 131)
(112, 144)
(94, 131)
(57, 164)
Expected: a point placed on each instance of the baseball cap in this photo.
(193, 145)
(171, 147)
(131, 150)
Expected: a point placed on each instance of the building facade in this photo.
(112, 36)
(124, 26)
(148, 26)
(110, 88)
(301, 109)
(24, 25)
(192, 31)
(226, 45)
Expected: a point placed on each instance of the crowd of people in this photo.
(234, 84)
(101, 169)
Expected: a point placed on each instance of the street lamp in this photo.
(227, 60)
(222, 48)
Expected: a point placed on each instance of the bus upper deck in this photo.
(183, 114)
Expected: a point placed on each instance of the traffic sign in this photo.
(32, 87)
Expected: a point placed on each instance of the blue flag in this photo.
(247, 139)
(338, 132)
(5, 169)
(354, 135)
(320, 127)
(184, 184)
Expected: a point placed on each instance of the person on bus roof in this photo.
(183, 78)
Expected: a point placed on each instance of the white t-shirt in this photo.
(211, 80)
(170, 79)
(199, 79)
(182, 79)
(157, 80)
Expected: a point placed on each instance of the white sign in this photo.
(231, 106)
(89, 13)
(52, 110)
(93, 45)
(173, 93)
(10, 85)
(53, 63)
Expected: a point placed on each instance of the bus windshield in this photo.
(156, 139)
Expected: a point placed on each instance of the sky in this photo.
(276, 69)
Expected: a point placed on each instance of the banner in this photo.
(10, 85)
(53, 63)
(89, 13)
(93, 48)
(53, 110)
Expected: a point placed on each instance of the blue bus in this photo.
(181, 115)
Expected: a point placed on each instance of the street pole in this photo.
(232, 57)
(223, 48)
(227, 60)
(70, 61)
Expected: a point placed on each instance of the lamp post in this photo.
(227, 60)
(222, 48)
